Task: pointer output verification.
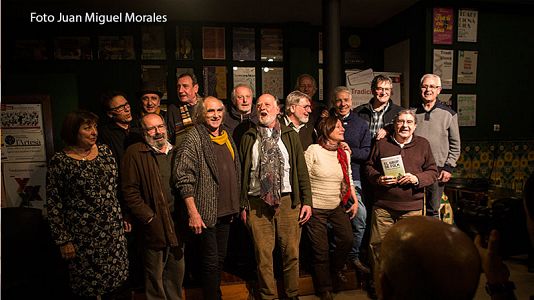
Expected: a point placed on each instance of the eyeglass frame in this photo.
(120, 108)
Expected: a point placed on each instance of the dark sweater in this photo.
(358, 137)
(417, 159)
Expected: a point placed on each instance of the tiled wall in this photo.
(512, 162)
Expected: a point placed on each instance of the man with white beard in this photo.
(275, 195)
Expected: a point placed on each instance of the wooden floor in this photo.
(233, 288)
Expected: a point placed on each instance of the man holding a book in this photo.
(399, 168)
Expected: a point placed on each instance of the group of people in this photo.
(191, 171)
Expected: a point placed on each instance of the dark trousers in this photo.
(214, 241)
(317, 233)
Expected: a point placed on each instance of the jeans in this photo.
(358, 222)
(214, 242)
(433, 195)
(164, 273)
(317, 233)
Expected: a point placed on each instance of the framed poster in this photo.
(272, 82)
(116, 47)
(215, 81)
(272, 44)
(77, 48)
(155, 77)
(244, 48)
(153, 42)
(213, 43)
(245, 75)
(443, 24)
(184, 42)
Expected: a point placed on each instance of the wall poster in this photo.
(215, 81)
(442, 66)
(467, 110)
(467, 25)
(467, 67)
(153, 42)
(184, 42)
(213, 43)
(245, 75)
(443, 24)
(272, 81)
(27, 144)
(244, 48)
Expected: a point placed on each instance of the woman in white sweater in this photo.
(330, 176)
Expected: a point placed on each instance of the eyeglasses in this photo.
(152, 130)
(401, 122)
(429, 87)
(381, 89)
(121, 108)
(306, 107)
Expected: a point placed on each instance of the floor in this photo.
(517, 265)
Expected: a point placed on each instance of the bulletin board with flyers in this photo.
(27, 145)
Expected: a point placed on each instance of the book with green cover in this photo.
(393, 166)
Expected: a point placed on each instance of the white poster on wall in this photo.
(467, 110)
(443, 62)
(467, 67)
(245, 75)
(25, 184)
(359, 82)
(467, 25)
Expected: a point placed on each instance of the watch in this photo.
(499, 288)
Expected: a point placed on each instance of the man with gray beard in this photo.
(297, 116)
(275, 195)
(146, 186)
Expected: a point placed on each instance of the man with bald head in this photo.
(275, 195)
(208, 179)
(424, 258)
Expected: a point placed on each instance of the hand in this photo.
(496, 271)
(381, 133)
(244, 216)
(305, 214)
(387, 180)
(67, 251)
(353, 210)
(345, 147)
(408, 178)
(127, 226)
(444, 176)
(324, 114)
(196, 224)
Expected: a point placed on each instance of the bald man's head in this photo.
(424, 258)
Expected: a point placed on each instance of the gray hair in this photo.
(340, 89)
(378, 79)
(405, 112)
(238, 86)
(200, 110)
(431, 76)
(294, 98)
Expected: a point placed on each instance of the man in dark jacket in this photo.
(275, 195)
(146, 186)
(398, 197)
(241, 114)
(380, 110)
